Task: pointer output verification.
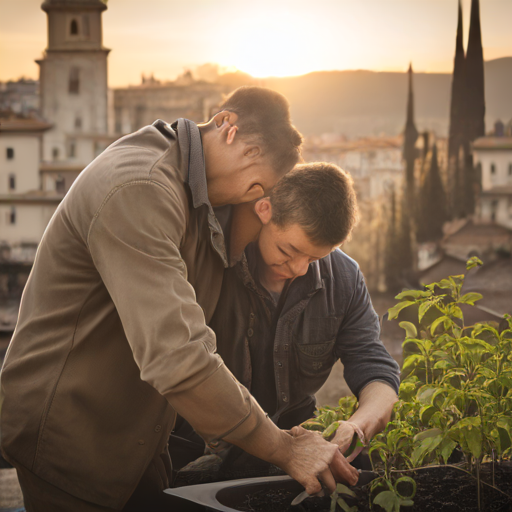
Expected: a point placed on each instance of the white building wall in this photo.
(502, 161)
(24, 166)
(30, 222)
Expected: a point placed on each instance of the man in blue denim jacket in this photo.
(295, 304)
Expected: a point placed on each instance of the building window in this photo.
(10, 153)
(494, 209)
(12, 182)
(74, 81)
(73, 29)
(510, 169)
(60, 185)
(493, 169)
(72, 149)
(78, 123)
(510, 207)
(12, 215)
(55, 153)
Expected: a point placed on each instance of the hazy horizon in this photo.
(270, 39)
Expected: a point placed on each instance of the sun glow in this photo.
(276, 44)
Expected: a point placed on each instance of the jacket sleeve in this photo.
(358, 344)
(133, 240)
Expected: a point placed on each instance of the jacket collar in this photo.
(192, 157)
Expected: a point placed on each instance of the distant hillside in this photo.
(371, 103)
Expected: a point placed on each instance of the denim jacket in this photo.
(321, 317)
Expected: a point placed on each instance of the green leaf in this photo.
(344, 505)
(410, 329)
(436, 322)
(415, 294)
(406, 480)
(412, 360)
(474, 261)
(446, 448)
(425, 394)
(426, 413)
(388, 500)
(470, 298)
(330, 430)
(423, 309)
(395, 310)
(343, 489)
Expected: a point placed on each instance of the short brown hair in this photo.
(264, 116)
(320, 197)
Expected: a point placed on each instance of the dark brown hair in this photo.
(264, 118)
(320, 197)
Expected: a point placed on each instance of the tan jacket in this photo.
(111, 339)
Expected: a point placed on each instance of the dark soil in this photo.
(439, 489)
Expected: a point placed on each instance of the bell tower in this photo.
(73, 80)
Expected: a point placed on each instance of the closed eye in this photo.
(286, 254)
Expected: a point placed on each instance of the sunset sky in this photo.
(263, 37)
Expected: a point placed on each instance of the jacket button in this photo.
(250, 332)
(213, 444)
(252, 315)
(285, 398)
(141, 441)
(279, 364)
(158, 428)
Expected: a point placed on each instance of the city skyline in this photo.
(383, 36)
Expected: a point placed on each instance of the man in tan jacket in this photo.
(112, 341)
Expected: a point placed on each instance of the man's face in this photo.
(287, 252)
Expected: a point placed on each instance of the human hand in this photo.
(344, 437)
(312, 458)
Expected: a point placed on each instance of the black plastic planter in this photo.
(229, 496)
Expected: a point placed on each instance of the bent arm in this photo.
(134, 241)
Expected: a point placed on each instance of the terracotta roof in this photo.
(10, 122)
(471, 233)
(493, 143)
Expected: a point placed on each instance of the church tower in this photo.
(475, 98)
(458, 101)
(409, 151)
(73, 80)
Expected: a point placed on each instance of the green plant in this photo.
(455, 395)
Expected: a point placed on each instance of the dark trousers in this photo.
(41, 496)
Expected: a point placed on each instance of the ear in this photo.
(254, 193)
(263, 209)
(252, 151)
(225, 122)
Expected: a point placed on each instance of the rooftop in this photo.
(493, 143)
(12, 122)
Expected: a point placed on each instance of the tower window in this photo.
(73, 30)
(493, 169)
(72, 149)
(74, 81)
(60, 185)
(55, 153)
(78, 123)
(12, 215)
(510, 169)
(12, 182)
(10, 153)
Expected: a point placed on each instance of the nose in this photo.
(298, 266)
